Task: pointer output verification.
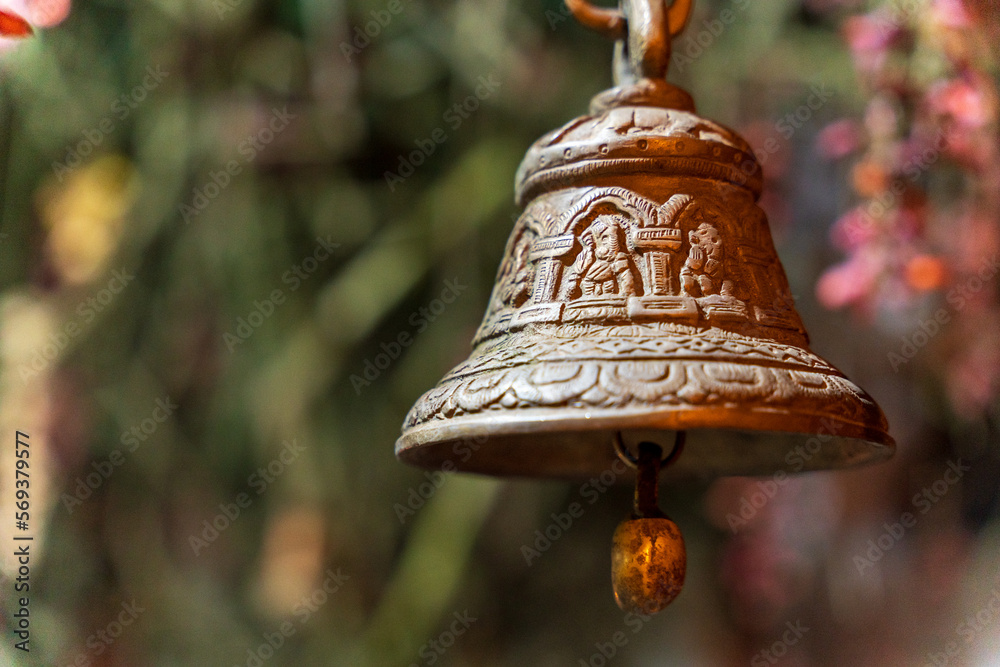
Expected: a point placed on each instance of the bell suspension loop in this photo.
(643, 30)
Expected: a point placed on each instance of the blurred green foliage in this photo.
(195, 192)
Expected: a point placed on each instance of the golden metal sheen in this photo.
(640, 292)
(648, 558)
(648, 564)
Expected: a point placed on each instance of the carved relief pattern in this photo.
(637, 342)
(616, 256)
(643, 383)
(602, 267)
(606, 298)
(702, 273)
(641, 278)
(622, 140)
(640, 366)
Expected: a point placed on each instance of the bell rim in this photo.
(850, 444)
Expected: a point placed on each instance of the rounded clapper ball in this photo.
(648, 563)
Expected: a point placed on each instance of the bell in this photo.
(640, 296)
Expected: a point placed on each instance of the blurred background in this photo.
(215, 215)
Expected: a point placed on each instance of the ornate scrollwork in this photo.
(610, 383)
(615, 255)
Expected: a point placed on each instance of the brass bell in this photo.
(640, 295)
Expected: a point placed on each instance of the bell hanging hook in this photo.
(629, 459)
(643, 30)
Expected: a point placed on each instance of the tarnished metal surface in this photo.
(648, 558)
(640, 292)
(648, 564)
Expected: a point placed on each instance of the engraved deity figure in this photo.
(602, 267)
(516, 278)
(702, 273)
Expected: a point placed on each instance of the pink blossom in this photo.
(881, 117)
(869, 38)
(894, 295)
(39, 13)
(870, 32)
(976, 240)
(846, 283)
(908, 224)
(962, 100)
(839, 139)
(970, 151)
(48, 13)
(973, 380)
(853, 230)
(950, 13)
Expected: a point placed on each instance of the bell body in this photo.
(640, 292)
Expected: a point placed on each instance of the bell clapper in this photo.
(648, 560)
